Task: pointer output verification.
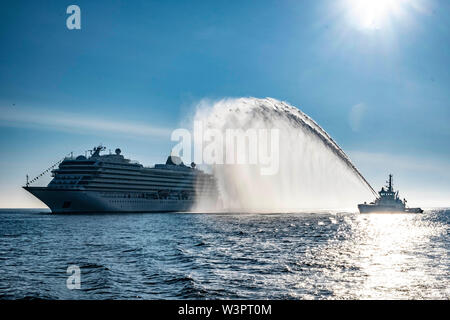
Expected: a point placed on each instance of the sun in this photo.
(373, 14)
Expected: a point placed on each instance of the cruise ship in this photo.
(104, 183)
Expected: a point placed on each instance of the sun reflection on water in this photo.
(392, 258)
(332, 256)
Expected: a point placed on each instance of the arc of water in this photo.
(307, 122)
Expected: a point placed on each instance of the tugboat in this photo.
(388, 201)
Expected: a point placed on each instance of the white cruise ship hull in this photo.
(87, 201)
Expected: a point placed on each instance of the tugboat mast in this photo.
(390, 183)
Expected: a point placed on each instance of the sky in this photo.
(374, 74)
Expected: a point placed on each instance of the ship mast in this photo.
(390, 182)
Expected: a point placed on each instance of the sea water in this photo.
(307, 255)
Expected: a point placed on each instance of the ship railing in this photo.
(49, 169)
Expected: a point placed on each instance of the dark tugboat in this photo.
(388, 201)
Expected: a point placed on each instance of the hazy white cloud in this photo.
(356, 116)
(76, 123)
(420, 164)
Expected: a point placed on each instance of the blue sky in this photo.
(379, 87)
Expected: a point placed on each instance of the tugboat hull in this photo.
(367, 208)
(413, 210)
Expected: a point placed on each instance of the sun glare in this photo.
(373, 14)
